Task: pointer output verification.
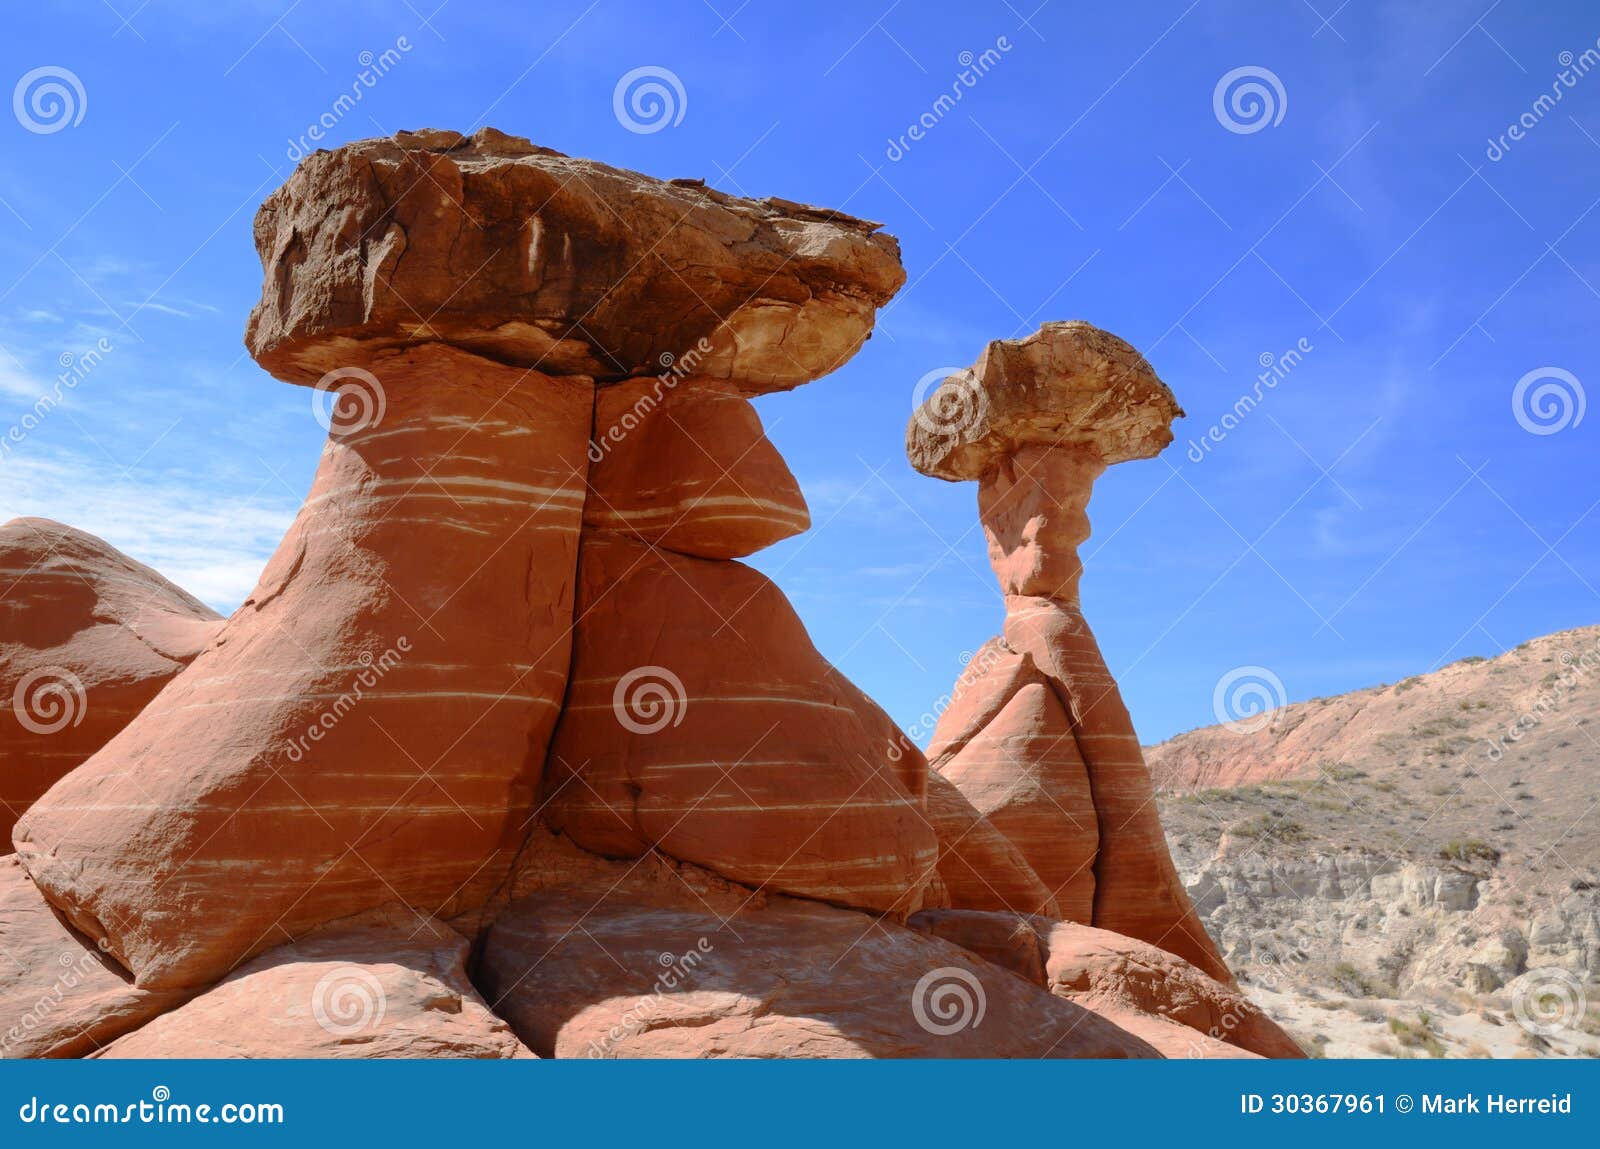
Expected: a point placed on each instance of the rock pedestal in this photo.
(1039, 740)
(512, 517)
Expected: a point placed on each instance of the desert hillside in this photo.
(1411, 868)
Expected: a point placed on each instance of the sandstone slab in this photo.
(587, 976)
(371, 989)
(542, 260)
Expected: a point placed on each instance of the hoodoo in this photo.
(1039, 739)
(508, 745)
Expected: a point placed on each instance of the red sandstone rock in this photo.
(59, 995)
(1038, 738)
(1146, 990)
(1023, 772)
(368, 989)
(683, 463)
(539, 259)
(88, 637)
(371, 723)
(1104, 971)
(702, 722)
(1137, 888)
(597, 976)
(978, 866)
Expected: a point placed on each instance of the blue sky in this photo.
(1382, 511)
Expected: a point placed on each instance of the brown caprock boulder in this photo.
(88, 637)
(1039, 739)
(373, 724)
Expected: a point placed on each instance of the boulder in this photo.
(587, 975)
(1107, 971)
(1160, 997)
(368, 989)
(542, 260)
(1067, 385)
(700, 721)
(88, 637)
(371, 724)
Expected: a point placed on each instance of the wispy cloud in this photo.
(212, 543)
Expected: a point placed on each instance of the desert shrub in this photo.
(1468, 850)
(1271, 827)
(1417, 1036)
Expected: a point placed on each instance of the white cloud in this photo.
(211, 542)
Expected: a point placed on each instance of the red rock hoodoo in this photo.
(505, 725)
(1038, 739)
